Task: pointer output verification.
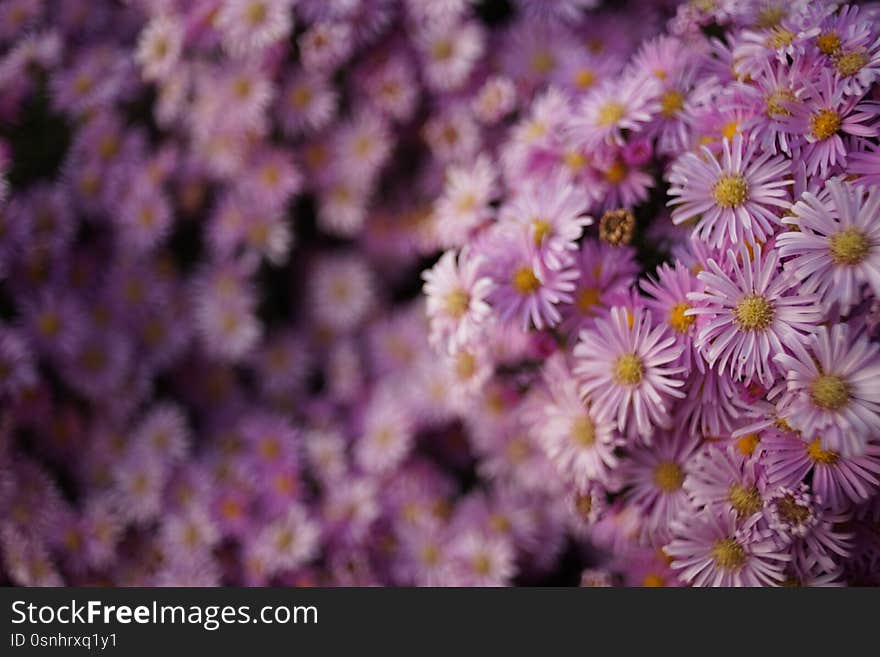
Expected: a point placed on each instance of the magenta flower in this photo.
(669, 300)
(581, 447)
(552, 216)
(749, 314)
(715, 550)
(457, 291)
(654, 477)
(837, 247)
(625, 366)
(623, 104)
(526, 292)
(839, 480)
(825, 114)
(732, 200)
(830, 388)
(724, 480)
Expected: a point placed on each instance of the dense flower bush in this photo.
(439, 292)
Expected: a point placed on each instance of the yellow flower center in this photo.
(616, 172)
(628, 370)
(467, 202)
(780, 38)
(728, 554)
(586, 299)
(824, 124)
(49, 324)
(583, 433)
(482, 564)
(585, 78)
(653, 580)
(829, 392)
(850, 63)
(541, 228)
(745, 501)
(747, 444)
(770, 16)
(678, 320)
(543, 62)
(671, 103)
(668, 476)
(610, 113)
(849, 247)
(256, 13)
(730, 129)
(828, 43)
(731, 191)
(776, 103)
(442, 50)
(456, 302)
(300, 97)
(574, 160)
(465, 365)
(754, 313)
(525, 282)
(819, 455)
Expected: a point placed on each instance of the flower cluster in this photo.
(702, 369)
(439, 292)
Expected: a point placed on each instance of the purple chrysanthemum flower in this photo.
(831, 388)
(722, 479)
(836, 248)
(715, 550)
(733, 199)
(626, 372)
(552, 216)
(668, 299)
(796, 515)
(581, 447)
(839, 480)
(624, 104)
(654, 476)
(824, 115)
(456, 291)
(526, 291)
(749, 314)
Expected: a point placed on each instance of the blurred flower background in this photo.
(439, 292)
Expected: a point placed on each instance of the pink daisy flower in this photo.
(625, 368)
(831, 388)
(668, 299)
(839, 480)
(456, 292)
(825, 114)
(464, 204)
(836, 248)
(450, 52)
(715, 550)
(723, 479)
(581, 447)
(655, 476)
(251, 25)
(552, 215)
(159, 46)
(605, 270)
(623, 104)
(749, 313)
(733, 199)
(526, 291)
